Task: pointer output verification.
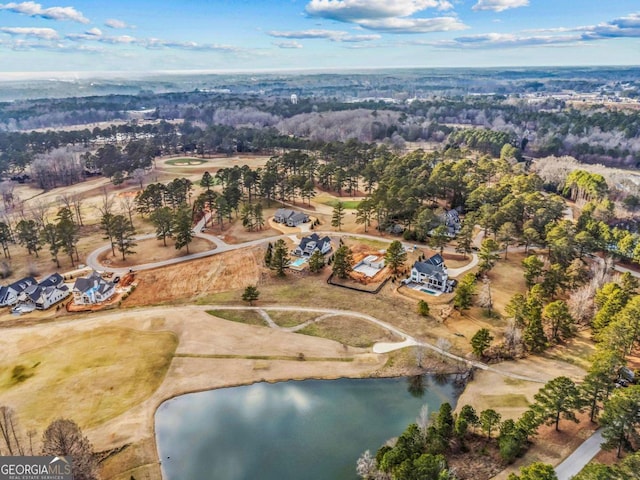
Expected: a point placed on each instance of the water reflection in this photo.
(312, 429)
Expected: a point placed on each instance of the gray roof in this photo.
(92, 282)
(52, 280)
(320, 242)
(430, 270)
(23, 283)
(435, 260)
(284, 212)
(299, 216)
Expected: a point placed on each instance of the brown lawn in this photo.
(152, 250)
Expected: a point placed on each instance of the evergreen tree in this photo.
(123, 235)
(27, 234)
(338, 215)
(535, 471)
(481, 341)
(268, 255)
(395, 256)
(489, 420)
(423, 308)
(5, 239)
(182, 227)
(49, 236)
(464, 239)
(163, 219)
(251, 294)
(280, 258)
(316, 261)
(342, 262)
(439, 238)
(463, 298)
(559, 397)
(533, 268)
(602, 374)
(488, 255)
(67, 233)
(620, 420)
(561, 323)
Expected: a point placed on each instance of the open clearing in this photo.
(126, 365)
(186, 161)
(111, 370)
(350, 331)
(153, 250)
(250, 317)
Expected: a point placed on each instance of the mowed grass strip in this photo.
(250, 317)
(510, 400)
(291, 319)
(186, 161)
(90, 377)
(349, 331)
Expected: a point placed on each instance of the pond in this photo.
(312, 429)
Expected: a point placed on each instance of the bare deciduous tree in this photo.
(10, 432)
(64, 438)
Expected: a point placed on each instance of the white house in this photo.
(312, 243)
(92, 289)
(9, 294)
(431, 273)
(45, 297)
(291, 218)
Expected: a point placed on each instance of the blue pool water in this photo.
(299, 262)
(430, 292)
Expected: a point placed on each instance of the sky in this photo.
(146, 36)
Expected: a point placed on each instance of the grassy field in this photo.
(95, 376)
(250, 317)
(349, 331)
(291, 319)
(332, 201)
(184, 161)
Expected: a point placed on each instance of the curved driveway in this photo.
(221, 246)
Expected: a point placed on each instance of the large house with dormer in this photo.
(290, 218)
(92, 290)
(431, 273)
(9, 294)
(310, 244)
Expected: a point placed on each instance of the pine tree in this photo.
(251, 294)
(268, 255)
(463, 298)
(342, 262)
(338, 216)
(559, 397)
(280, 258)
(316, 261)
(481, 341)
(123, 235)
(395, 256)
(182, 228)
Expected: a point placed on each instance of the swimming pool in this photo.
(299, 262)
(430, 292)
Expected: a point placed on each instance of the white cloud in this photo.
(355, 10)
(94, 31)
(34, 9)
(333, 35)
(623, 27)
(292, 44)
(414, 25)
(302, 34)
(386, 16)
(115, 23)
(41, 33)
(500, 5)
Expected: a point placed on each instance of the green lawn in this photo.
(183, 161)
(250, 317)
(349, 204)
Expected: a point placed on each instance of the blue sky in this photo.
(256, 35)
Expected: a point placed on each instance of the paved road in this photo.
(580, 457)
(221, 246)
